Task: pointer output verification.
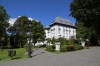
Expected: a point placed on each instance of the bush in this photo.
(39, 46)
(26, 45)
(78, 47)
(53, 46)
(50, 48)
(63, 48)
(44, 45)
(71, 41)
(70, 48)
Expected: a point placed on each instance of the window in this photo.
(66, 31)
(69, 31)
(59, 29)
(63, 30)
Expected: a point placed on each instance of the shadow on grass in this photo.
(15, 58)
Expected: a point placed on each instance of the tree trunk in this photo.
(20, 43)
(2, 46)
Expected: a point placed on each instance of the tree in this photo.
(20, 29)
(4, 17)
(81, 30)
(88, 12)
(38, 32)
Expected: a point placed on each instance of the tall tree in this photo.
(21, 27)
(4, 18)
(38, 32)
(88, 12)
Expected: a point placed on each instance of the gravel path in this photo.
(85, 57)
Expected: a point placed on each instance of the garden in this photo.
(65, 45)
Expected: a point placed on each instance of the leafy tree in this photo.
(4, 17)
(81, 30)
(20, 29)
(88, 12)
(38, 32)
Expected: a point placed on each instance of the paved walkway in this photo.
(85, 57)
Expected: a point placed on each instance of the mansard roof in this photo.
(63, 21)
(60, 20)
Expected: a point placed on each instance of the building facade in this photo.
(60, 27)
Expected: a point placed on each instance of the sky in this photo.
(44, 11)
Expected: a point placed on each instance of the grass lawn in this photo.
(20, 53)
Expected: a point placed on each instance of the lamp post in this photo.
(29, 39)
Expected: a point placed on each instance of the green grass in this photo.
(20, 53)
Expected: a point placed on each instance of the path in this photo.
(85, 57)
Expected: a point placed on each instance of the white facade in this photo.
(60, 29)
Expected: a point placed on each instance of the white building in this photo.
(60, 27)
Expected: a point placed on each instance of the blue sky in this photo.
(43, 10)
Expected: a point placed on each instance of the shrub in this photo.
(53, 46)
(71, 41)
(50, 48)
(78, 47)
(63, 48)
(44, 45)
(39, 46)
(26, 45)
(70, 48)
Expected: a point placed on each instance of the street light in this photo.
(29, 39)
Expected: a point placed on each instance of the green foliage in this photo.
(53, 40)
(63, 48)
(9, 46)
(70, 47)
(48, 40)
(39, 46)
(37, 31)
(71, 41)
(26, 46)
(78, 47)
(81, 30)
(50, 48)
(87, 12)
(4, 17)
(22, 27)
(63, 41)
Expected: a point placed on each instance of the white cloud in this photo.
(30, 18)
(12, 20)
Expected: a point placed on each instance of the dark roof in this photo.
(60, 20)
(47, 27)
